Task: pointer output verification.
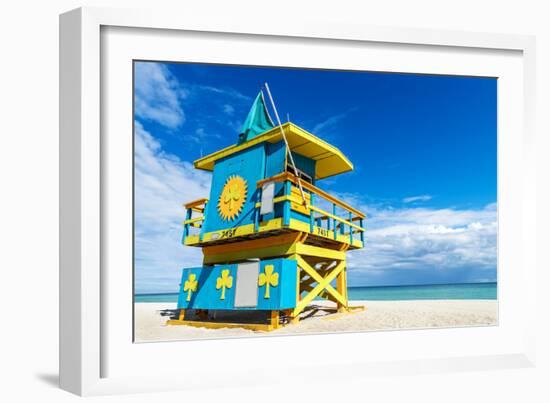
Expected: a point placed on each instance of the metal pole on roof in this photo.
(286, 144)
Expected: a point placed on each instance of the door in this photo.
(246, 291)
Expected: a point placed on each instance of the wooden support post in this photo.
(323, 284)
(274, 320)
(342, 288)
(182, 314)
(291, 319)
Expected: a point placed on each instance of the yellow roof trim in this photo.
(330, 160)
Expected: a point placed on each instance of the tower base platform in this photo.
(262, 286)
(272, 320)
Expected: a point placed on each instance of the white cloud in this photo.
(161, 98)
(158, 94)
(162, 184)
(432, 245)
(227, 92)
(228, 109)
(426, 239)
(331, 121)
(420, 198)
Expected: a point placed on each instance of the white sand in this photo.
(379, 315)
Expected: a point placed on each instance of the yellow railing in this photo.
(327, 224)
(309, 206)
(197, 206)
(287, 176)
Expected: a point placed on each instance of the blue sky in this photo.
(424, 150)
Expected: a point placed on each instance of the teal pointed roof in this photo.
(258, 120)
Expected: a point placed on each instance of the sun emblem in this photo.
(232, 197)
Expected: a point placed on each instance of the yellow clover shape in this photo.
(268, 278)
(223, 282)
(190, 285)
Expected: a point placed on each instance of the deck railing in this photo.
(319, 218)
(327, 224)
(198, 206)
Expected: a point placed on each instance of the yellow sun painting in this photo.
(232, 197)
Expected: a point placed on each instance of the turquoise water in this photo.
(435, 291)
(389, 293)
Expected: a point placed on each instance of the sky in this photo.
(424, 150)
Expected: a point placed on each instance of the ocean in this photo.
(387, 293)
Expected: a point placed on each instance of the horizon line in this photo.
(360, 286)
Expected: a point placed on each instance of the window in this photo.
(298, 172)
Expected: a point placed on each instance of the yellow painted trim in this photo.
(243, 230)
(318, 231)
(342, 288)
(280, 245)
(322, 284)
(323, 294)
(296, 203)
(271, 225)
(207, 162)
(275, 200)
(274, 320)
(310, 250)
(288, 238)
(281, 177)
(193, 220)
(192, 239)
(280, 250)
(340, 267)
(299, 225)
(296, 137)
(324, 233)
(219, 325)
(196, 203)
(357, 243)
(342, 220)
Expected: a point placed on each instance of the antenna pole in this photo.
(286, 144)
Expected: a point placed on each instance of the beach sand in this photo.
(150, 319)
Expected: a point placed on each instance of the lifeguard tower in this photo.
(272, 240)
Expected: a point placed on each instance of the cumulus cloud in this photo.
(441, 244)
(158, 95)
(420, 198)
(162, 184)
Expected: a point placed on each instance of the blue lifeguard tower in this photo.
(272, 240)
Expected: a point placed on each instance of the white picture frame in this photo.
(89, 317)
